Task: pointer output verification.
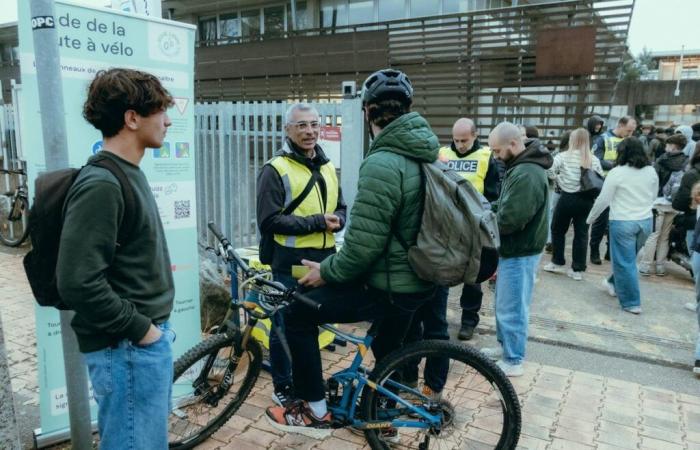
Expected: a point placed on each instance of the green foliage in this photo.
(634, 69)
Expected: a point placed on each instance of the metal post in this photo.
(352, 147)
(294, 14)
(680, 75)
(53, 125)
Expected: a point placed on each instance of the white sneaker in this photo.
(511, 370)
(493, 353)
(554, 268)
(633, 309)
(575, 275)
(691, 306)
(609, 287)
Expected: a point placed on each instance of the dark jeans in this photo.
(571, 208)
(345, 304)
(598, 230)
(430, 322)
(280, 366)
(470, 301)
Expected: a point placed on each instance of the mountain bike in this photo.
(14, 207)
(478, 407)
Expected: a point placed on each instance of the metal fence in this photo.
(233, 142)
(10, 153)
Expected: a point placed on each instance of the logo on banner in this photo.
(96, 147)
(163, 152)
(182, 150)
(181, 104)
(167, 44)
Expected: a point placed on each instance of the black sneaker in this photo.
(696, 369)
(466, 332)
(548, 248)
(595, 258)
(283, 395)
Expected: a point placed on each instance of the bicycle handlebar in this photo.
(231, 253)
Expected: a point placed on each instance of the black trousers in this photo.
(345, 304)
(571, 208)
(470, 301)
(598, 230)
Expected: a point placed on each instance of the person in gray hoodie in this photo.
(687, 131)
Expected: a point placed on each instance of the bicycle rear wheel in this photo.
(479, 407)
(198, 379)
(13, 220)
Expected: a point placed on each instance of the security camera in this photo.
(349, 89)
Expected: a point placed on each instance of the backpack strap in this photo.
(129, 217)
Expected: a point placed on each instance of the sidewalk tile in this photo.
(257, 437)
(530, 443)
(561, 444)
(675, 437)
(656, 444)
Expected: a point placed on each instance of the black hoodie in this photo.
(270, 201)
(668, 163)
(591, 124)
(524, 202)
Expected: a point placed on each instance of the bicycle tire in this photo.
(227, 406)
(14, 232)
(468, 358)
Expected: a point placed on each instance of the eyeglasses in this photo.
(303, 126)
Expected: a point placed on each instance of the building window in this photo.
(361, 11)
(304, 20)
(421, 8)
(250, 24)
(334, 13)
(229, 27)
(207, 30)
(391, 10)
(274, 21)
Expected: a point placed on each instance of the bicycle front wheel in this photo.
(13, 220)
(478, 406)
(201, 402)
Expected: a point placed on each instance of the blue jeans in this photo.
(696, 273)
(133, 386)
(627, 237)
(280, 366)
(514, 284)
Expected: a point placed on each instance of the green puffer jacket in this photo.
(390, 184)
(524, 202)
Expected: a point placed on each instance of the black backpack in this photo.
(45, 223)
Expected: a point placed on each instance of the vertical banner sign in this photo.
(91, 39)
(329, 140)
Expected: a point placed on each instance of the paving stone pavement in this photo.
(562, 409)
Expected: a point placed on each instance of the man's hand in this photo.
(313, 278)
(151, 336)
(332, 222)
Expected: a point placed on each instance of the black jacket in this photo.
(666, 164)
(681, 201)
(270, 202)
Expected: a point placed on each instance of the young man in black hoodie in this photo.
(121, 285)
(307, 232)
(670, 168)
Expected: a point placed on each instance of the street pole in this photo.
(680, 75)
(53, 127)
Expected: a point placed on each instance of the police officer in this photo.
(604, 147)
(301, 174)
(476, 164)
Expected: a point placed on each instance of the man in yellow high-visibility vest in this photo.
(300, 206)
(476, 164)
(604, 147)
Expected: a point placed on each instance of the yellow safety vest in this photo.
(472, 168)
(611, 143)
(295, 176)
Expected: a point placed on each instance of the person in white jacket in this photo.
(629, 190)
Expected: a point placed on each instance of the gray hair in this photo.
(298, 107)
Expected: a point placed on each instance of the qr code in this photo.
(182, 209)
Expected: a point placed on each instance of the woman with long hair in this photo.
(573, 205)
(629, 190)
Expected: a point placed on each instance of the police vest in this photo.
(472, 168)
(611, 143)
(295, 176)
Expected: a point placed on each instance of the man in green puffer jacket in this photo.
(370, 277)
(522, 223)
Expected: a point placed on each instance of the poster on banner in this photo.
(329, 140)
(92, 39)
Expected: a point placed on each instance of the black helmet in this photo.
(387, 84)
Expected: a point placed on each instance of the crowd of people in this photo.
(121, 287)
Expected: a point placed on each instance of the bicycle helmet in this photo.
(387, 84)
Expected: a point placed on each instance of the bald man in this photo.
(475, 163)
(521, 213)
